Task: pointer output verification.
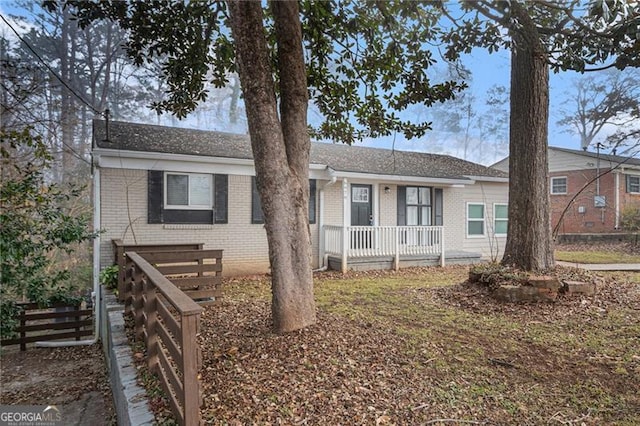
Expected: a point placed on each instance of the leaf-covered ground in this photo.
(418, 347)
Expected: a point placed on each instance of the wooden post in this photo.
(127, 287)
(120, 261)
(77, 308)
(191, 395)
(138, 305)
(151, 325)
(23, 334)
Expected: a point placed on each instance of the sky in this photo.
(487, 70)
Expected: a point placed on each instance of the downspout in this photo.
(323, 261)
(95, 295)
(617, 201)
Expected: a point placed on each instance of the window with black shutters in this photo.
(256, 205)
(186, 198)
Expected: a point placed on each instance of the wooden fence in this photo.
(37, 324)
(167, 320)
(120, 248)
(196, 272)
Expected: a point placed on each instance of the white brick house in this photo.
(369, 207)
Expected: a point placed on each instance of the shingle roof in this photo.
(173, 140)
(604, 157)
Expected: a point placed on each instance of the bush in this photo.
(109, 277)
(34, 224)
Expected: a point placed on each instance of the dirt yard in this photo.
(74, 379)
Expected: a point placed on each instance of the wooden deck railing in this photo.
(167, 320)
(37, 324)
(196, 272)
(119, 249)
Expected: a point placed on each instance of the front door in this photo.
(361, 215)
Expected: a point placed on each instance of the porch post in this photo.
(345, 224)
(396, 257)
(442, 246)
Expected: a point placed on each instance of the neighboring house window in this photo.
(256, 206)
(419, 206)
(188, 190)
(475, 219)
(186, 198)
(500, 219)
(633, 183)
(558, 185)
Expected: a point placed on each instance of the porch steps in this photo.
(386, 262)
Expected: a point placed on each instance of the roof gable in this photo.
(172, 140)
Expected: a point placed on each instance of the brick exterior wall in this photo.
(123, 199)
(582, 215)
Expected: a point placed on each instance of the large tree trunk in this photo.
(280, 151)
(529, 236)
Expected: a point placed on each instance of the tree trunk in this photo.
(529, 236)
(280, 151)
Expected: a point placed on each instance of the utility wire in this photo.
(43, 62)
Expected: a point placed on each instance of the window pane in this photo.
(425, 218)
(412, 215)
(177, 190)
(412, 195)
(425, 196)
(559, 185)
(200, 190)
(359, 194)
(501, 226)
(501, 212)
(476, 211)
(476, 228)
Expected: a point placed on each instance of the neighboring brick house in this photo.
(156, 184)
(599, 207)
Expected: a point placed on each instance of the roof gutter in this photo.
(489, 179)
(399, 178)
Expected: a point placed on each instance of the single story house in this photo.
(599, 207)
(369, 207)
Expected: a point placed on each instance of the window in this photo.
(418, 204)
(256, 206)
(558, 185)
(500, 219)
(191, 191)
(475, 220)
(633, 183)
(186, 198)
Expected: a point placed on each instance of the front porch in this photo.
(388, 247)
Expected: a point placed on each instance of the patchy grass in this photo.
(596, 257)
(422, 347)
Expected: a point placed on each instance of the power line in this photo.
(42, 61)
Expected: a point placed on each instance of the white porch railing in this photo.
(372, 241)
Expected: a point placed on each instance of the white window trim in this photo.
(566, 184)
(188, 206)
(484, 220)
(627, 183)
(495, 218)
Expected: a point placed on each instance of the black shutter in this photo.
(312, 201)
(155, 196)
(439, 202)
(256, 206)
(402, 205)
(221, 196)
